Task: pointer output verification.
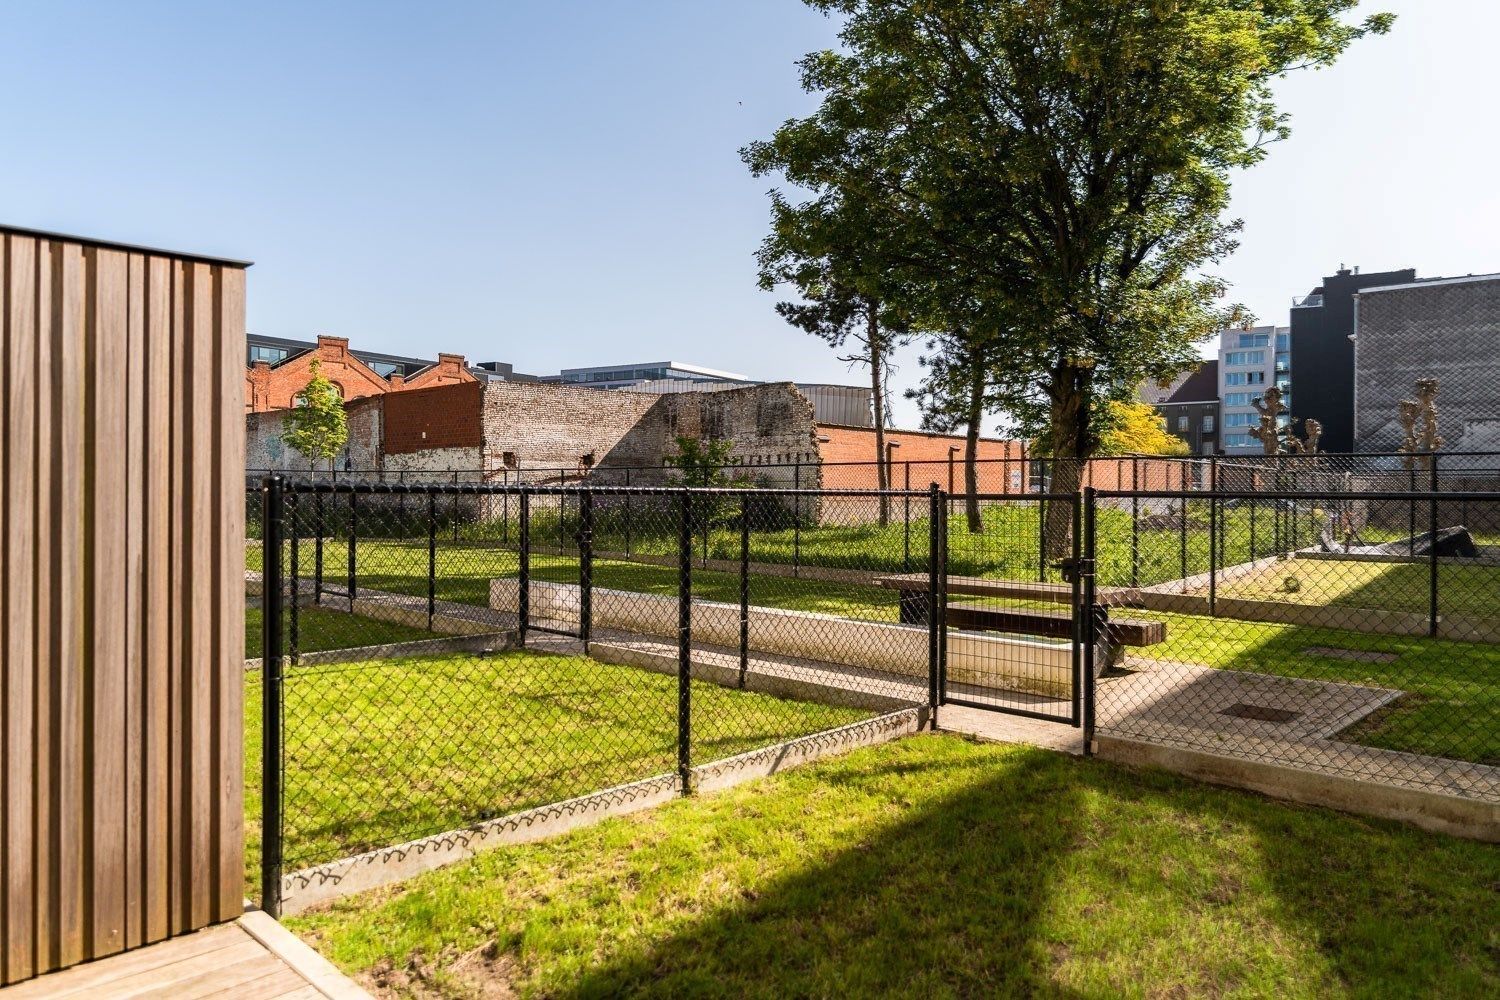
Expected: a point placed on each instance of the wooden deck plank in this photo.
(163, 979)
(284, 980)
(231, 976)
(94, 974)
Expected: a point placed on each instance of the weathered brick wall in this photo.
(1450, 332)
(264, 448)
(547, 428)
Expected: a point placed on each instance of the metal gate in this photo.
(1013, 634)
(556, 530)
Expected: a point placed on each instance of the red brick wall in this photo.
(1000, 470)
(444, 416)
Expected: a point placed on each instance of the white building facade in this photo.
(1250, 362)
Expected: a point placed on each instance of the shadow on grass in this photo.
(986, 892)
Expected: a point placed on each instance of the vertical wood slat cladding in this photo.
(122, 598)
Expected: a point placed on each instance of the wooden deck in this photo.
(253, 958)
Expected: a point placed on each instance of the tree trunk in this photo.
(975, 417)
(877, 385)
(1070, 392)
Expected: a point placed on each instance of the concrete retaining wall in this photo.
(984, 660)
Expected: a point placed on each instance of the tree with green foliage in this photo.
(1062, 168)
(827, 251)
(317, 427)
(705, 464)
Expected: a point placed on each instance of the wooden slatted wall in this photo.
(122, 597)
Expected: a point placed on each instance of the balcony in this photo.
(1307, 302)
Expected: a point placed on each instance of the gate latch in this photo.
(1074, 570)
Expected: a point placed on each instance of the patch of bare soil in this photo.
(485, 973)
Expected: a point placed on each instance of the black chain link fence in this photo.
(449, 655)
(454, 653)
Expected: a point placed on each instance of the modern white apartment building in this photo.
(1250, 361)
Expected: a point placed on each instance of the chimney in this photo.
(451, 361)
(397, 381)
(335, 346)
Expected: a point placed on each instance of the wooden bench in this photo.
(1111, 631)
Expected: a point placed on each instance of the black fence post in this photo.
(1182, 534)
(1432, 563)
(906, 521)
(270, 698)
(1411, 487)
(942, 595)
(293, 624)
(685, 643)
(352, 582)
(1041, 515)
(628, 514)
(797, 521)
(431, 559)
(934, 558)
(523, 568)
(1135, 522)
(454, 507)
(586, 567)
(744, 588)
(1087, 566)
(505, 507)
(321, 528)
(1213, 554)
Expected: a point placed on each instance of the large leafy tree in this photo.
(1067, 161)
(829, 252)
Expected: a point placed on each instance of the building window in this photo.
(1208, 423)
(1245, 358)
(1239, 441)
(1241, 419)
(1208, 447)
(1283, 341)
(1244, 378)
(1182, 424)
(270, 355)
(1254, 340)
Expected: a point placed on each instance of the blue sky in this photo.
(557, 183)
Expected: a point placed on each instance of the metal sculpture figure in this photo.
(1419, 421)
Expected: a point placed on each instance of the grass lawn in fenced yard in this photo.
(1452, 705)
(322, 629)
(1463, 589)
(1008, 548)
(935, 866)
(386, 751)
(1454, 687)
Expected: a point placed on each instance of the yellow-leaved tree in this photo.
(1135, 428)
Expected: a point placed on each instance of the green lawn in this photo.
(320, 629)
(1388, 586)
(1452, 708)
(1454, 687)
(936, 867)
(382, 752)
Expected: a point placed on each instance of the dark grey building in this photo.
(1322, 355)
(1442, 328)
(1191, 408)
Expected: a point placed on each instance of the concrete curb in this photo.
(320, 973)
(1459, 817)
(310, 887)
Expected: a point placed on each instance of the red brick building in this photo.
(275, 386)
